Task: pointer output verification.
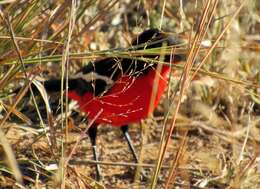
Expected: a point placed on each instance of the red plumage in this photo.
(127, 101)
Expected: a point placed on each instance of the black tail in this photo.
(78, 84)
(53, 85)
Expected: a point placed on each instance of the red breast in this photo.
(127, 101)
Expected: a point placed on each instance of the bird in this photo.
(120, 90)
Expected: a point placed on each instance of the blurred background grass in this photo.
(220, 110)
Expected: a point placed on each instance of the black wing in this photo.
(97, 77)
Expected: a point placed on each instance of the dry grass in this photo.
(204, 134)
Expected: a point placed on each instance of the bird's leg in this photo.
(92, 132)
(131, 146)
(129, 141)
